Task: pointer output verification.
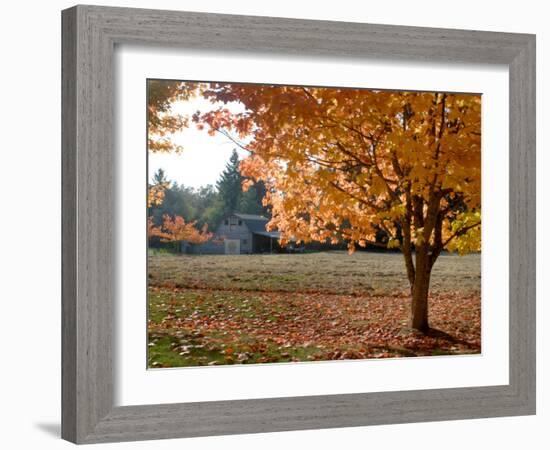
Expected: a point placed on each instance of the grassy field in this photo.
(362, 273)
(208, 310)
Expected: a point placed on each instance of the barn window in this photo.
(240, 222)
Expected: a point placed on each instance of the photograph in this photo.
(301, 224)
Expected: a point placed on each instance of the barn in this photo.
(239, 234)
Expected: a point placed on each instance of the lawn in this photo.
(209, 310)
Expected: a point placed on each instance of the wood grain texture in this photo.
(523, 224)
(90, 34)
(68, 227)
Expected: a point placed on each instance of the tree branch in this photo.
(406, 247)
(460, 233)
(232, 139)
(355, 197)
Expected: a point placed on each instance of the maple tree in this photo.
(343, 164)
(161, 119)
(175, 229)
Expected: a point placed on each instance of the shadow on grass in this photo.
(439, 334)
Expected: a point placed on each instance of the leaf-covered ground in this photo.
(209, 310)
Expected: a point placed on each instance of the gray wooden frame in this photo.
(89, 37)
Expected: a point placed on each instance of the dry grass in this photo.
(362, 273)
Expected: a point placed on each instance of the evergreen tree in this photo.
(251, 200)
(229, 185)
(159, 178)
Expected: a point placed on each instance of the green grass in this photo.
(181, 350)
(161, 251)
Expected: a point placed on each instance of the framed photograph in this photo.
(277, 224)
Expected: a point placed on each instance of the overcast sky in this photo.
(203, 158)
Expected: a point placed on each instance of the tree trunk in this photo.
(419, 292)
(425, 253)
(419, 304)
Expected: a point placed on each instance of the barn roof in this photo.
(256, 224)
(269, 234)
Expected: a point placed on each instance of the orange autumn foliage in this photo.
(175, 229)
(155, 194)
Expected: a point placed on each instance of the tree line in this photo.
(209, 204)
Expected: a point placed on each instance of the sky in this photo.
(203, 158)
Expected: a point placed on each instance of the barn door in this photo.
(232, 246)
